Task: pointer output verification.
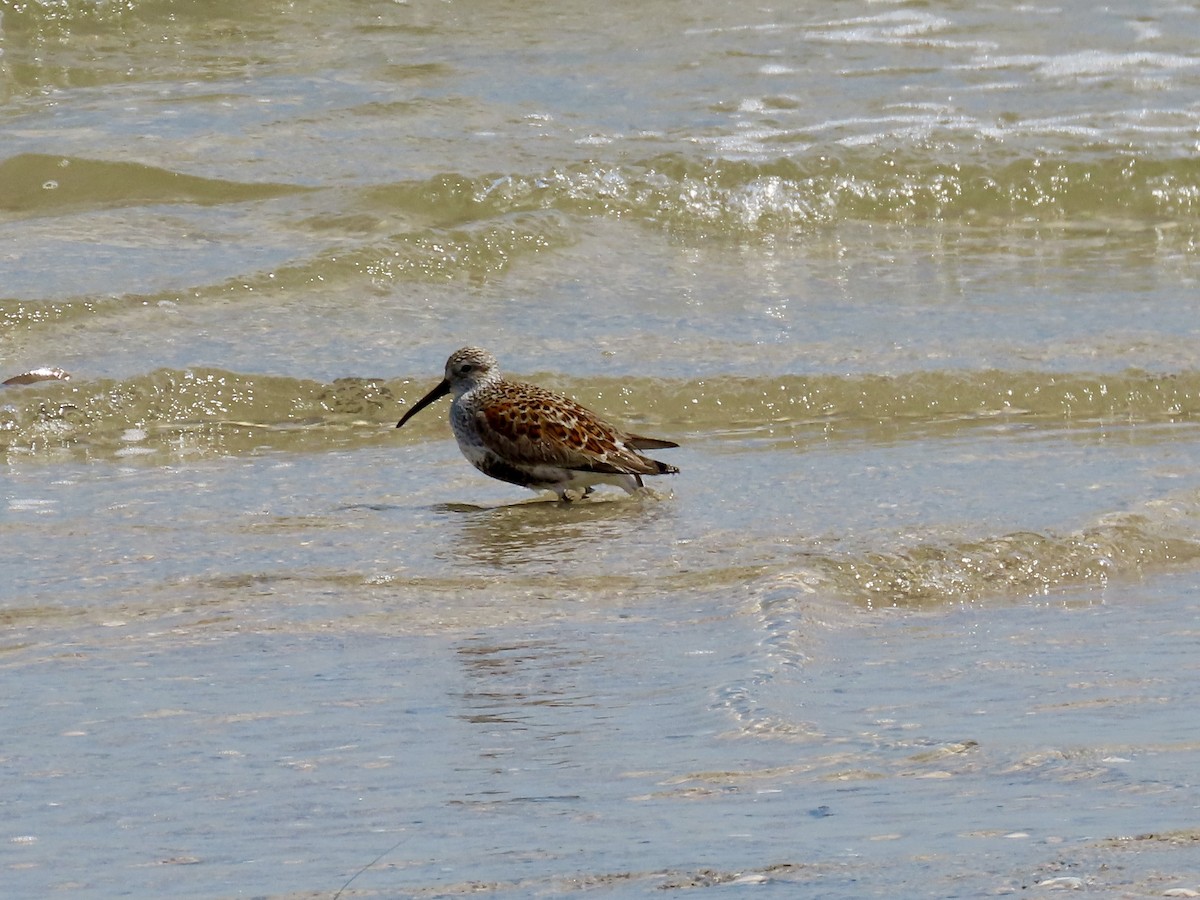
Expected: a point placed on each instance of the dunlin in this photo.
(527, 435)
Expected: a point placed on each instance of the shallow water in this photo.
(912, 287)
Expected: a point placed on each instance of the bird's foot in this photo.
(570, 496)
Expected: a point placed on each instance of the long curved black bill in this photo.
(436, 394)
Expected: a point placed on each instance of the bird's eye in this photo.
(465, 368)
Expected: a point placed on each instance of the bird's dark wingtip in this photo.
(641, 442)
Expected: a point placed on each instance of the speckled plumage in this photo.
(527, 435)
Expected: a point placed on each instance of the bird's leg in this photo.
(566, 495)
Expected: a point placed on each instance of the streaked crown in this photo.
(470, 367)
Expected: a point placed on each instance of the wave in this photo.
(475, 228)
(219, 412)
(823, 187)
(186, 413)
(43, 184)
(1164, 536)
(818, 188)
(819, 584)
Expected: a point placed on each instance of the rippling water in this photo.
(913, 285)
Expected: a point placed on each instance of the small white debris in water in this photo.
(1063, 883)
(751, 879)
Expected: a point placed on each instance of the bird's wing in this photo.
(529, 425)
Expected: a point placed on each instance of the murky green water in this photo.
(912, 286)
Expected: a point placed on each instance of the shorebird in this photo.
(527, 435)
